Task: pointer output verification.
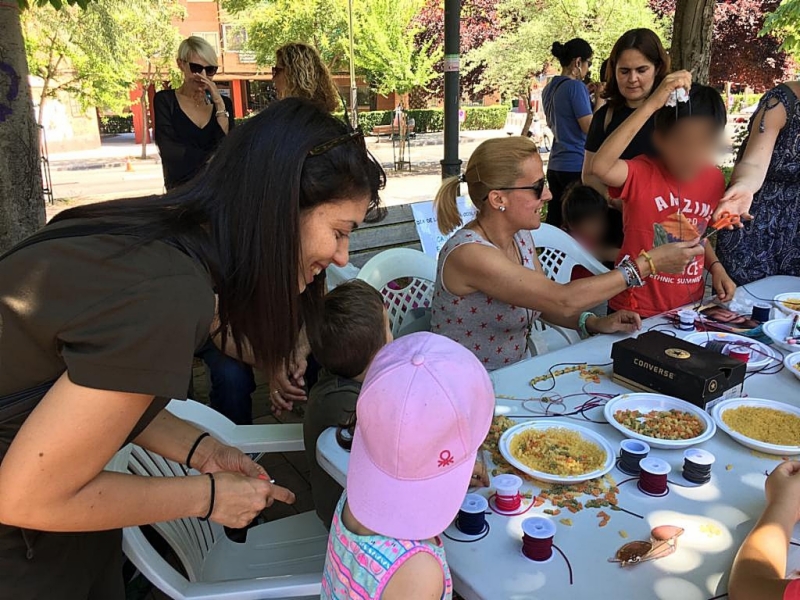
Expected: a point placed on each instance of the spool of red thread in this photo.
(653, 477)
(507, 498)
(740, 353)
(537, 538)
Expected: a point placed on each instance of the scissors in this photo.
(726, 219)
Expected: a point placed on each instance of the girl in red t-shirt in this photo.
(670, 198)
(759, 571)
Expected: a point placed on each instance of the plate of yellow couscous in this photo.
(557, 451)
(788, 304)
(662, 421)
(764, 425)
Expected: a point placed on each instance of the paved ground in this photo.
(116, 171)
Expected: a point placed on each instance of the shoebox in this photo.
(659, 363)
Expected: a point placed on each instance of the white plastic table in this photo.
(716, 517)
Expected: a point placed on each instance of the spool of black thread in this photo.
(697, 465)
(630, 453)
(471, 518)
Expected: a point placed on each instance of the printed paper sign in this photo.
(427, 225)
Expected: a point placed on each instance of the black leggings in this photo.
(558, 182)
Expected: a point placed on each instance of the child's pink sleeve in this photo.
(793, 590)
(636, 170)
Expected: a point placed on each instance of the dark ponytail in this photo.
(575, 48)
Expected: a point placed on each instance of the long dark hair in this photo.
(241, 218)
(648, 43)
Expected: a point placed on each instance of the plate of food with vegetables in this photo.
(662, 421)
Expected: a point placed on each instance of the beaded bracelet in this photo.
(582, 323)
(630, 272)
(213, 497)
(649, 259)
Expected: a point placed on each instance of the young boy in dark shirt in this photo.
(353, 327)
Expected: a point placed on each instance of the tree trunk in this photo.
(21, 199)
(528, 122)
(691, 37)
(145, 121)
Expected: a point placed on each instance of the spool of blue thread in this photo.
(686, 319)
(471, 518)
(761, 312)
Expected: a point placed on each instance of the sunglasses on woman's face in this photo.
(663, 542)
(537, 187)
(209, 69)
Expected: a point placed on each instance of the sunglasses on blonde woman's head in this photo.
(198, 68)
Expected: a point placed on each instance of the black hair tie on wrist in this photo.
(213, 496)
(199, 439)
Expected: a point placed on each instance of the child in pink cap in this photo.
(425, 408)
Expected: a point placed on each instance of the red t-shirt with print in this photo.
(657, 210)
(792, 590)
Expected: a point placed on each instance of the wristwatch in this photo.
(224, 113)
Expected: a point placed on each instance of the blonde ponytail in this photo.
(446, 205)
(496, 163)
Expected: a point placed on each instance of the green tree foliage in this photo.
(522, 52)
(785, 23)
(101, 52)
(79, 52)
(271, 24)
(385, 46)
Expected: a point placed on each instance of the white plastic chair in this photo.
(410, 304)
(280, 559)
(559, 253)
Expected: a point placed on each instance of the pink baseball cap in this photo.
(424, 410)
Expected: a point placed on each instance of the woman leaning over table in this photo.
(102, 312)
(490, 286)
(765, 186)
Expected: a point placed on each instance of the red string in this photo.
(537, 549)
(508, 503)
(653, 485)
(495, 502)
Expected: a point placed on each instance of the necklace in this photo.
(198, 102)
(518, 254)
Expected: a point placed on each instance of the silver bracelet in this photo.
(630, 273)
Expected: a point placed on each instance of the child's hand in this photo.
(783, 487)
(722, 283)
(673, 81)
(623, 321)
(480, 475)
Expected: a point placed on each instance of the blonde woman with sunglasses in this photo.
(490, 286)
(191, 121)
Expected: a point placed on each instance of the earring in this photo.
(502, 209)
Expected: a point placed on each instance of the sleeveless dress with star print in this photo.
(494, 331)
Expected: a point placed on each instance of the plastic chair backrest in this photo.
(559, 253)
(190, 538)
(405, 278)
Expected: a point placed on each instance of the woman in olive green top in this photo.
(100, 316)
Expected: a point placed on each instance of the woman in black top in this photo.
(190, 122)
(637, 65)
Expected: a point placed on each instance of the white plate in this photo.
(648, 402)
(778, 330)
(764, 358)
(777, 300)
(792, 361)
(748, 442)
(588, 434)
